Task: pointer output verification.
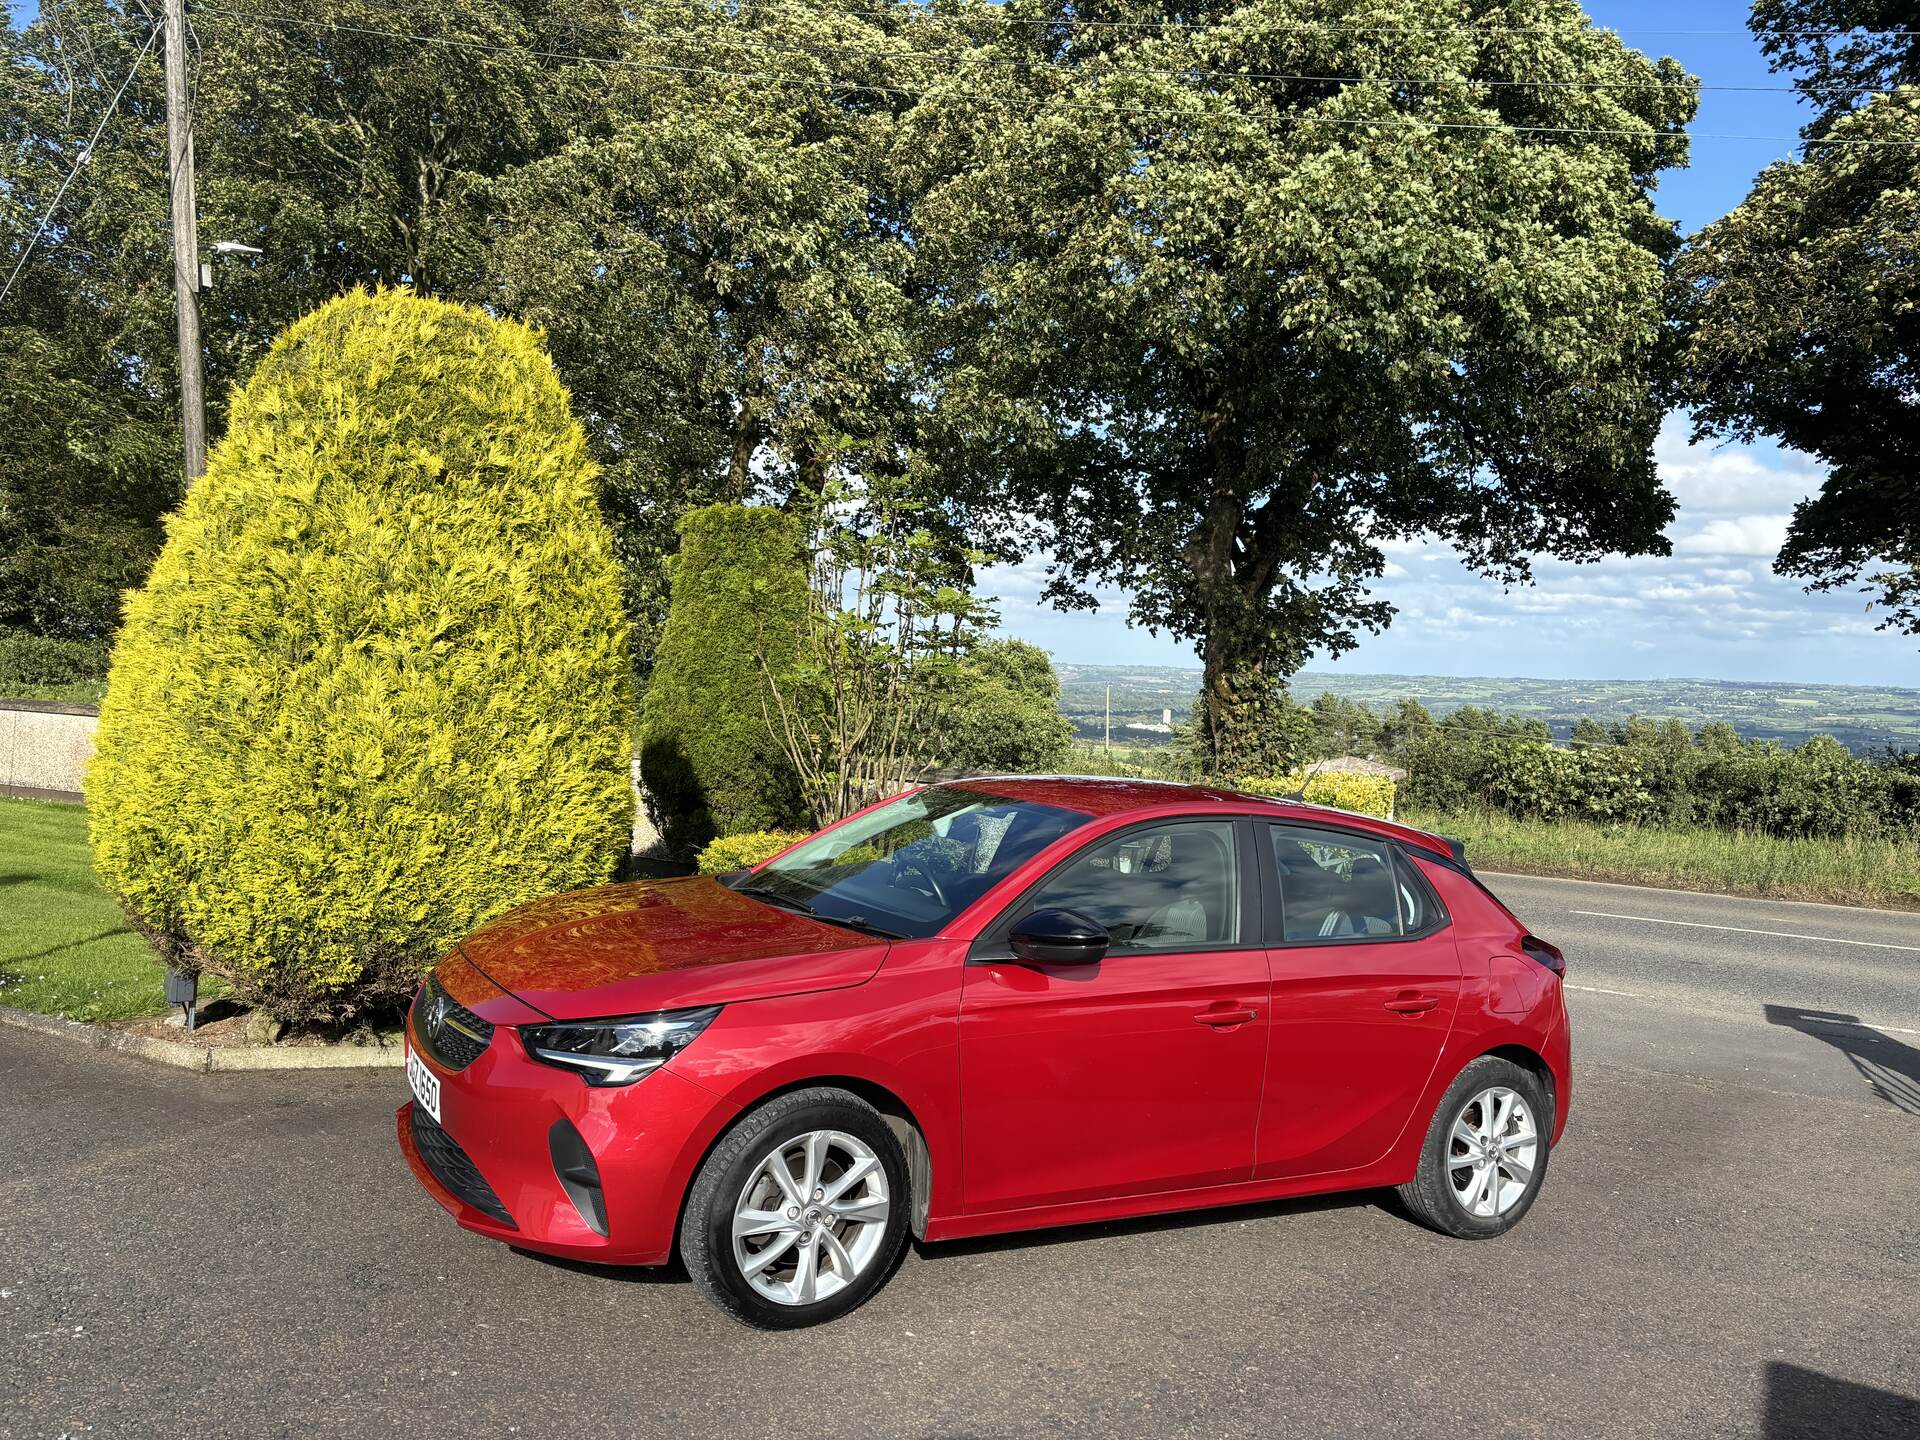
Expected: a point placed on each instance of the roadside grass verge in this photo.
(1882, 873)
(65, 948)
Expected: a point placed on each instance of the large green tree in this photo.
(1802, 307)
(344, 150)
(1236, 293)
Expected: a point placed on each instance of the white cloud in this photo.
(1731, 480)
(1735, 535)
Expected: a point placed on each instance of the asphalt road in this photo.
(1726, 1246)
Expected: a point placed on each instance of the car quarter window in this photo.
(1336, 886)
(1168, 887)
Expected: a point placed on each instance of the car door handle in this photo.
(1413, 1004)
(1224, 1017)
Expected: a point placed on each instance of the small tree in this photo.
(1001, 712)
(885, 629)
(376, 690)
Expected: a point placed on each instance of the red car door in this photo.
(1366, 979)
(1140, 1072)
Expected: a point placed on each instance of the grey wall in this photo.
(44, 748)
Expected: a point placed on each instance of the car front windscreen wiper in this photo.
(788, 902)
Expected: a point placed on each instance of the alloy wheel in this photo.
(811, 1217)
(1492, 1149)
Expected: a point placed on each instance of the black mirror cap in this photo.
(1059, 937)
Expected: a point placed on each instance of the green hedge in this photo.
(30, 661)
(1341, 789)
(376, 689)
(708, 758)
(743, 852)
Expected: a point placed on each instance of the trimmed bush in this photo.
(743, 852)
(1341, 789)
(708, 758)
(376, 689)
(33, 660)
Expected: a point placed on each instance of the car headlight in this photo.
(616, 1052)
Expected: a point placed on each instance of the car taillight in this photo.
(1547, 955)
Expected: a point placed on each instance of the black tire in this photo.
(1430, 1195)
(706, 1228)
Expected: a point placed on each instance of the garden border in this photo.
(205, 1059)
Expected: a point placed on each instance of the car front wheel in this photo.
(800, 1212)
(1485, 1154)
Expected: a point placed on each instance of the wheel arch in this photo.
(1535, 1064)
(900, 1119)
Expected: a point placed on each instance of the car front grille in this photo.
(453, 1168)
(446, 1029)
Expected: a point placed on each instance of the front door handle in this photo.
(1413, 1004)
(1224, 1017)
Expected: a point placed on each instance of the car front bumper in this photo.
(499, 1116)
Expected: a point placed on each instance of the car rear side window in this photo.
(1169, 887)
(1336, 886)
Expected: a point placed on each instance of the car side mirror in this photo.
(1059, 937)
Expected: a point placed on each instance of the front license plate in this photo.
(426, 1085)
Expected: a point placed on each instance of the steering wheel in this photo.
(902, 860)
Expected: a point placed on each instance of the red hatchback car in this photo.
(990, 1005)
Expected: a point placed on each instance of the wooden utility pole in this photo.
(186, 244)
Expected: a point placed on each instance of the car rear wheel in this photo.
(1485, 1154)
(800, 1212)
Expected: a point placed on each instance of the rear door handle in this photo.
(1224, 1017)
(1413, 1004)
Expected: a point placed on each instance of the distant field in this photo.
(1881, 873)
(1865, 718)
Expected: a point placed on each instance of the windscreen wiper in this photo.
(787, 902)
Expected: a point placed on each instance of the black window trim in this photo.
(991, 946)
(1274, 926)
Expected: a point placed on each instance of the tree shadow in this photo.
(1803, 1404)
(64, 945)
(1891, 1068)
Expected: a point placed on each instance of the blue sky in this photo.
(1713, 608)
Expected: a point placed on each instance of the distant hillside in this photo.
(1865, 718)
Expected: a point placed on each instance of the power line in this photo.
(85, 155)
(838, 83)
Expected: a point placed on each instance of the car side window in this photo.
(1171, 887)
(1342, 887)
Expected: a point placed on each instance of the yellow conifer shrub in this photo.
(1340, 789)
(376, 690)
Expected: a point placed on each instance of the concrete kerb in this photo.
(206, 1059)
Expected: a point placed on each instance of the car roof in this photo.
(1103, 796)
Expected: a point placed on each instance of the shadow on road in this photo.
(1893, 1069)
(1806, 1405)
(1152, 1224)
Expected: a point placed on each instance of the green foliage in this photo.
(29, 661)
(743, 852)
(375, 691)
(1341, 789)
(880, 646)
(1802, 318)
(1648, 774)
(1224, 328)
(1000, 712)
(709, 761)
(1843, 51)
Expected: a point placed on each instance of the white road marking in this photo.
(1811, 1020)
(1742, 930)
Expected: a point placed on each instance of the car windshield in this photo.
(910, 866)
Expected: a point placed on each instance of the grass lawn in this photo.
(74, 692)
(65, 949)
(1883, 873)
